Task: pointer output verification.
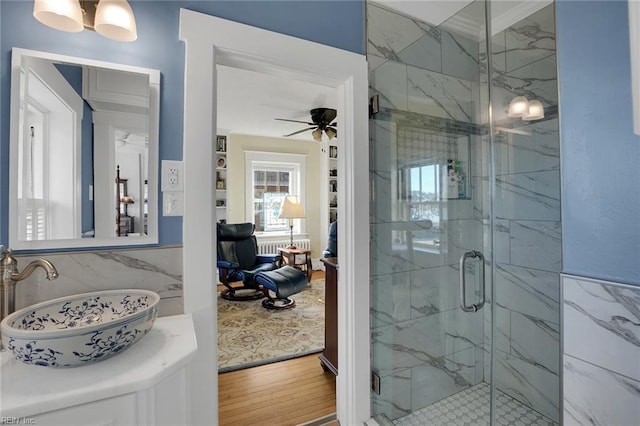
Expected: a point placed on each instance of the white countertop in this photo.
(27, 390)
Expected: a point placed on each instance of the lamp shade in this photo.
(519, 107)
(63, 15)
(535, 112)
(114, 19)
(291, 208)
(317, 134)
(331, 132)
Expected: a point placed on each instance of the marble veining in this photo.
(607, 313)
(597, 396)
(529, 384)
(156, 269)
(601, 361)
(529, 291)
(460, 56)
(389, 33)
(533, 196)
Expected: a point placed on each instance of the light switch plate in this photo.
(173, 203)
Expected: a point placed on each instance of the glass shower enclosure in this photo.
(465, 216)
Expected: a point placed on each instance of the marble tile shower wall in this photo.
(156, 269)
(601, 360)
(422, 347)
(527, 211)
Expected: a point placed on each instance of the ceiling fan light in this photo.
(317, 134)
(115, 20)
(331, 132)
(536, 111)
(63, 15)
(519, 107)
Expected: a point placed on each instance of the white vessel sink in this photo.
(79, 329)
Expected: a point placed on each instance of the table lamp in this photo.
(291, 209)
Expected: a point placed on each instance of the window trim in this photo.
(282, 162)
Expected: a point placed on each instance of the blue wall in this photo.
(335, 23)
(599, 151)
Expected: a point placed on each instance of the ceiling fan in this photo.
(322, 120)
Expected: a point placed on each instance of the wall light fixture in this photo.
(111, 18)
(521, 107)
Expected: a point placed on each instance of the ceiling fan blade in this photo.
(299, 131)
(295, 121)
(334, 124)
(329, 115)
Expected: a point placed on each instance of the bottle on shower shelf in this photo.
(462, 184)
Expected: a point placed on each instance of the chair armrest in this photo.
(227, 265)
(268, 258)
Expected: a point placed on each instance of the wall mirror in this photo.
(84, 153)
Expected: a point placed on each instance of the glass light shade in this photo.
(519, 107)
(63, 15)
(536, 111)
(114, 19)
(291, 208)
(317, 135)
(331, 132)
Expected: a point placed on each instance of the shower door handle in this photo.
(463, 285)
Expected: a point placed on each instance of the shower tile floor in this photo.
(471, 408)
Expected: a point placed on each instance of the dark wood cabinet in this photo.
(329, 356)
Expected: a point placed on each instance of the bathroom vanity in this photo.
(146, 384)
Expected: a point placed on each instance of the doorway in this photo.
(465, 282)
(211, 41)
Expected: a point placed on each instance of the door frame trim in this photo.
(210, 41)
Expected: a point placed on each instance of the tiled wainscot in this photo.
(601, 360)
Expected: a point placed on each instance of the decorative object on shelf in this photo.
(456, 186)
(221, 162)
(110, 18)
(221, 203)
(333, 152)
(291, 209)
(333, 185)
(221, 144)
(221, 182)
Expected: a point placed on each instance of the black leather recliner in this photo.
(332, 244)
(238, 260)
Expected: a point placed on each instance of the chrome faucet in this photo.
(9, 277)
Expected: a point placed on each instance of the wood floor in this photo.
(285, 393)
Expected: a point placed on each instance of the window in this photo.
(421, 188)
(270, 177)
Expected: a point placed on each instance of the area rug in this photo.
(250, 335)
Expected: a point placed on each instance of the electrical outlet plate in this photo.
(172, 176)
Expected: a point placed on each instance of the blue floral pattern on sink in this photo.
(88, 311)
(81, 329)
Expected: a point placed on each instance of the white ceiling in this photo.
(249, 102)
(434, 12)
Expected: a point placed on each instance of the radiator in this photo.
(271, 246)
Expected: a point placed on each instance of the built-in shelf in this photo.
(333, 181)
(221, 182)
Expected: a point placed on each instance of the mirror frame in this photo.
(151, 238)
